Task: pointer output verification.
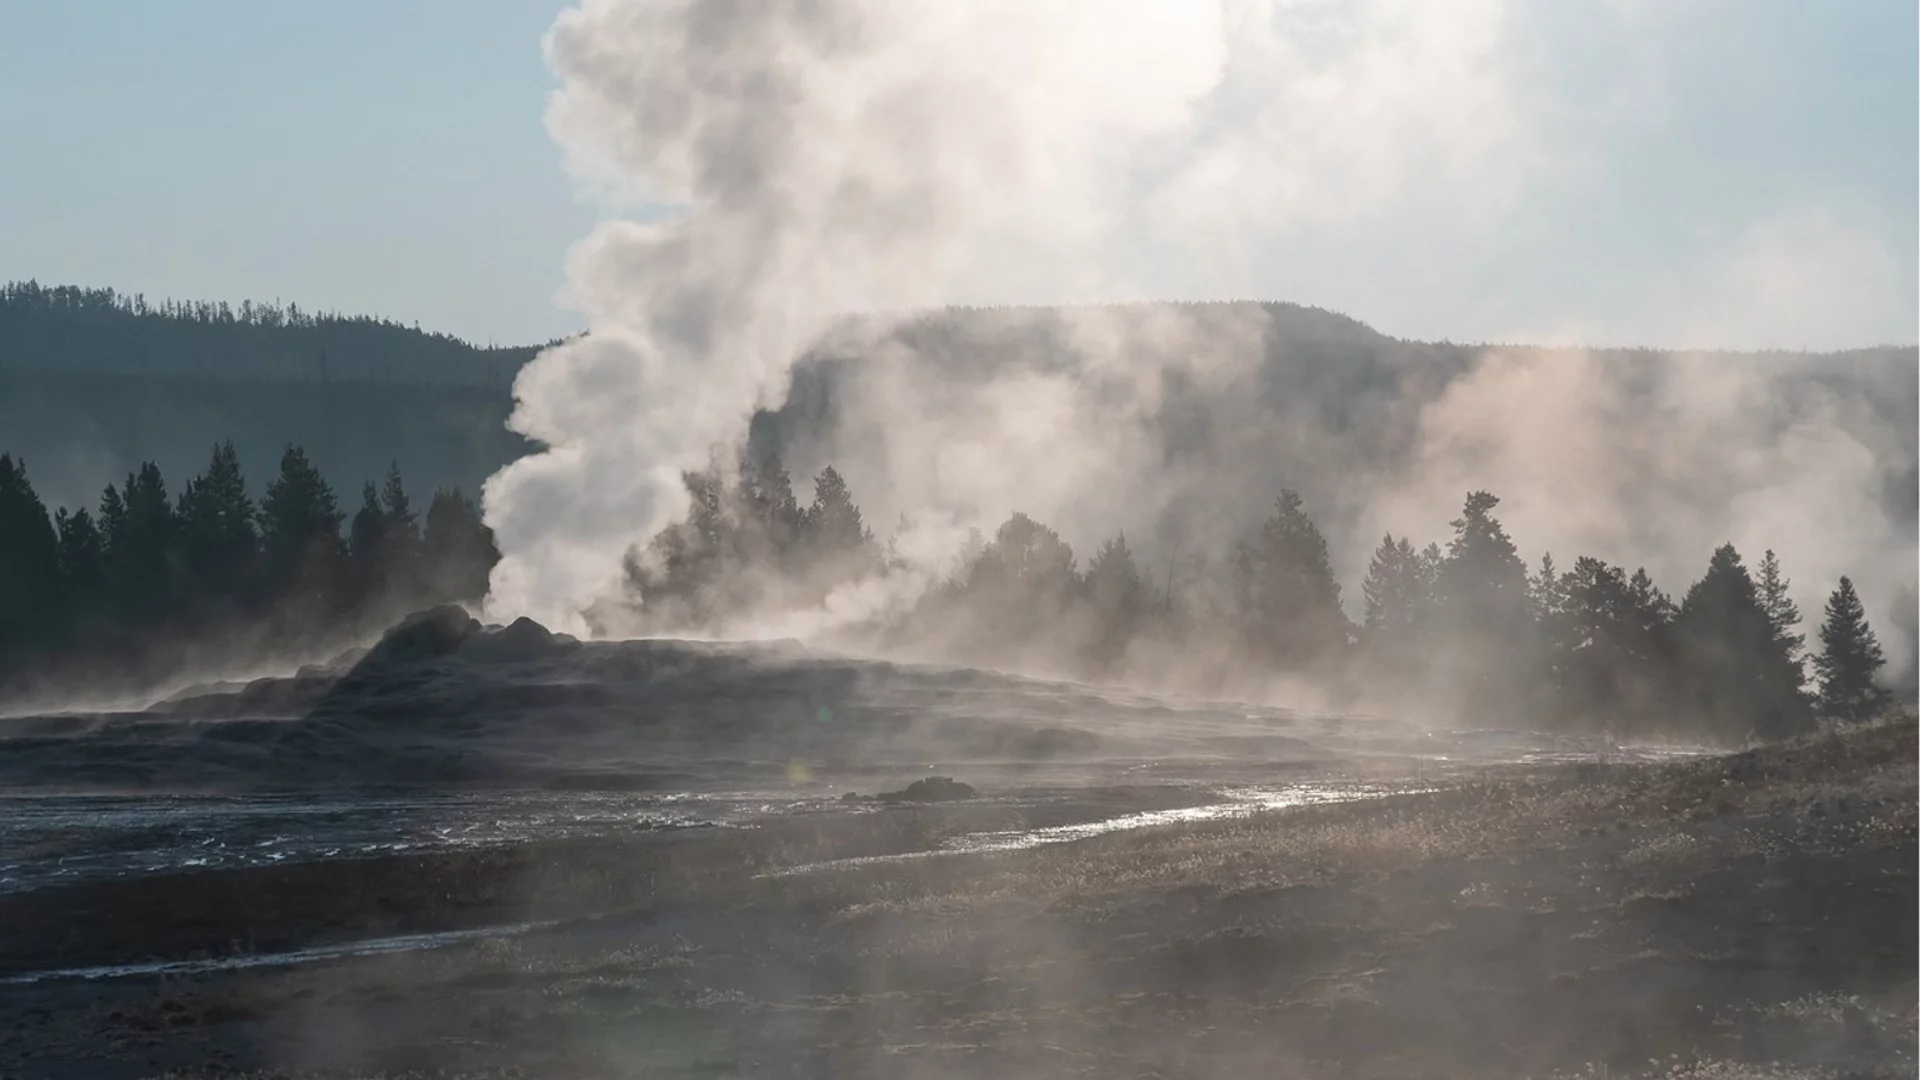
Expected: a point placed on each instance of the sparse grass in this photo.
(1826, 793)
(1704, 1070)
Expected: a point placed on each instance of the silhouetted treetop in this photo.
(1740, 674)
(1849, 660)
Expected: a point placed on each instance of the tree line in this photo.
(73, 329)
(1591, 648)
(149, 582)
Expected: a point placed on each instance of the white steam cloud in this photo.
(812, 157)
(786, 162)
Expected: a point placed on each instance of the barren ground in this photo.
(1751, 915)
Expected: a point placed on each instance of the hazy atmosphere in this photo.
(843, 538)
(1728, 174)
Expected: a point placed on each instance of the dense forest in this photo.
(1463, 624)
(102, 390)
(150, 585)
(1176, 423)
(94, 383)
(74, 329)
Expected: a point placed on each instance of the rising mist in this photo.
(768, 169)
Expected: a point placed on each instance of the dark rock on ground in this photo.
(449, 630)
(423, 635)
(522, 639)
(931, 789)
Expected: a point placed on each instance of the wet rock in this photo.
(423, 635)
(932, 789)
(449, 630)
(523, 639)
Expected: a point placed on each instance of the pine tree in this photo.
(1654, 607)
(1738, 676)
(219, 541)
(1780, 608)
(1483, 581)
(82, 558)
(1398, 594)
(832, 526)
(1591, 610)
(1648, 640)
(82, 578)
(1432, 558)
(367, 546)
(29, 568)
(1547, 590)
(1120, 597)
(1849, 659)
(1484, 636)
(458, 553)
(1547, 593)
(1289, 599)
(684, 561)
(402, 527)
(145, 567)
(300, 520)
(1114, 581)
(1385, 590)
(113, 515)
(1028, 559)
(767, 492)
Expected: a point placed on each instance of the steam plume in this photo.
(782, 163)
(798, 158)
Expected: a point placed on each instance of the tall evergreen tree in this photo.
(1547, 592)
(1387, 592)
(1120, 596)
(1614, 669)
(219, 541)
(1483, 582)
(767, 493)
(1114, 582)
(367, 550)
(145, 568)
(458, 552)
(1397, 591)
(1849, 659)
(1432, 558)
(1289, 599)
(832, 526)
(1740, 679)
(1780, 608)
(82, 560)
(1486, 640)
(29, 568)
(1027, 558)
(402, 527)
(1655, 607)
(683, 563)
(300, 520)
(113, 515)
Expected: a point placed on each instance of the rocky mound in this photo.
(933, 789)
(449, 629)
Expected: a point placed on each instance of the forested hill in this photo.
(1223, 404)
(74, 330)
(94, 382)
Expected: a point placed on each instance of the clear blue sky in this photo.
(382, 156)
(387, 156)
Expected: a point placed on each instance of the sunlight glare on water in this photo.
(1240, 802)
